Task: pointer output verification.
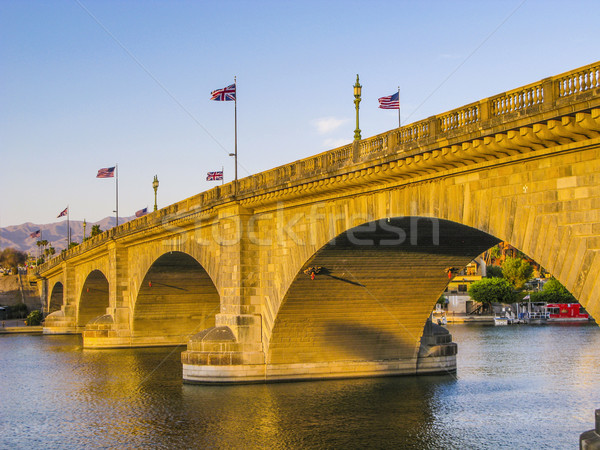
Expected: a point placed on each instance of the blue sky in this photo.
(86, 84)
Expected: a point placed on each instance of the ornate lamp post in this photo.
(155, 186)
(84, 225)
(357, 92)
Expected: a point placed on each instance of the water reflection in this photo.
(524, 387)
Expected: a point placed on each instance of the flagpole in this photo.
(117, 192)
(68, 229)
(399, 122)
(236, 155)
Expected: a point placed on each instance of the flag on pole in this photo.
(35, 234)
(63, 212)
(214, 176)
(390, 102)
(226, 94)
(108, 172)
(141, 212)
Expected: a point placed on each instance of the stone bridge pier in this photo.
(356, 307)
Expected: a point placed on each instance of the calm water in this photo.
(517, 387)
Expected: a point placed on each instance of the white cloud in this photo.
(326, 125)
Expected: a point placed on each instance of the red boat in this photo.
(566, 312)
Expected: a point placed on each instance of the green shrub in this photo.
(517, 271)
(553, 292)
(34, 318)
(494, 272)
(492, 290)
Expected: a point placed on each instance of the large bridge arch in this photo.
(141, 258)
(548, 207)
(94, 298)
(373, 289)
(177, 298)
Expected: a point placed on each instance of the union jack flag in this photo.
(107, 172)
(226, 94)
(35, 234)
(390, 102)
(214, 176)
(63, 212)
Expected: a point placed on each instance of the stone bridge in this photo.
(330, 266)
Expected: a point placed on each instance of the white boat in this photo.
(500, 320)
(438, 315)
(440, 320)
(533, 313)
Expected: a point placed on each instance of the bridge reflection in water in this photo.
(229, 271)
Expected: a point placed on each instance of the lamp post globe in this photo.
(357, 94)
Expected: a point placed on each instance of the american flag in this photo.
(108, 172)
(226, 94)
(214, 176)
(63, 212)
(390, 102)
(141, 212)
(35, 234)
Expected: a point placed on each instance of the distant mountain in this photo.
(18, 236)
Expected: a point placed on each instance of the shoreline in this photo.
(9, 326)
(22, 330)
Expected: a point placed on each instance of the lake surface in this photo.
(517, 387)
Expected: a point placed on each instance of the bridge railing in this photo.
(526, 100)
(578, 81)
(459, 118)
(516, 100)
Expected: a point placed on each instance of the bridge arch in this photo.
(56, 299)
(94, 298)
(177, 298)
(545, 206)
(372, 290)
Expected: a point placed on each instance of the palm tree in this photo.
(42, 243)
(95, 230)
